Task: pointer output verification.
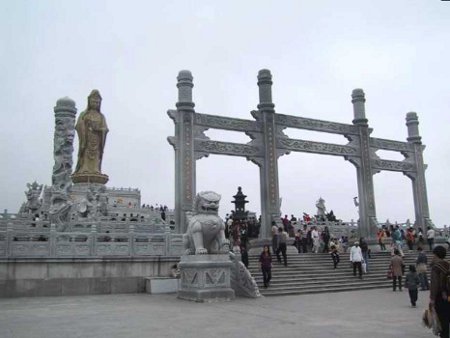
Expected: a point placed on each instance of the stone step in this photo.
(314, 273)
(328, 289)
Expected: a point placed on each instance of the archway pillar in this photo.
(367, 212)
(421, 210)
(268, 164)
(183, 143)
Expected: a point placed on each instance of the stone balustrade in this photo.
(49, 243)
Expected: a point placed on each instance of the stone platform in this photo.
(205, 278)
(373, 313)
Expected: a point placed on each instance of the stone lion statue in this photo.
(205, 233)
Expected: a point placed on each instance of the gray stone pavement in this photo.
(370, 314)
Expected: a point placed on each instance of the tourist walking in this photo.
(421, 266)
(397, 241)
(274, 237)
(381, 235)
(298, 240)
(309, 241)
(265, 260)
(397, 270)
(326, 239)
(282, 245)
(420, 239)
(315, 240)
(410, 238)
(304, 243)
(411, 282)
(365, 252)
(244, 254)
(356, 259)
(430, 237)
(439, 290)
(335, 256)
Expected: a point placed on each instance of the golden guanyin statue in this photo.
(91, 129)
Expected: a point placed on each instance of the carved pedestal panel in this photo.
(205, 278)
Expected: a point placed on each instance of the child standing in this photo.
(335, 256)
(411, 283)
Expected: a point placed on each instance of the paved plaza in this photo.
(370, 314)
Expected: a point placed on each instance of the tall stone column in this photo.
(184, 150)
(367, 212)
(65, 112)
(270, 195)
(417, 177)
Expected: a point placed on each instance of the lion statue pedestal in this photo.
(209, 271)
(205, 278)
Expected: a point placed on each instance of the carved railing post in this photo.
(367, 211)
(183, 143)
(93, 236)
(270, 195)
(52, 240)
(9, 239)
(417, 177)
(132, 252)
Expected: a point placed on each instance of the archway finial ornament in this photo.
(268, 143)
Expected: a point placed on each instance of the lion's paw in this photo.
(201, 251)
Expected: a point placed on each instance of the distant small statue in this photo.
(102, 202)
(206, 230)
(88, 205)
(321, 210)
(331, 217)
(59, 209)
(91, 129)
(33, 201)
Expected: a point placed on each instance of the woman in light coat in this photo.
(397, 270)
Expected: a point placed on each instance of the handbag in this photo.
(364, 266)
(421, 268)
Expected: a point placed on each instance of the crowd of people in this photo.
(399, 237)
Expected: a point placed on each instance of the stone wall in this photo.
(72, 276)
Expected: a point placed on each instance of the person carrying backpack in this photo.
(397, 240)
(440, 288)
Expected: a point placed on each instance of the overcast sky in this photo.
(317, 51)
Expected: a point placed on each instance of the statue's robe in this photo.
(91, 129)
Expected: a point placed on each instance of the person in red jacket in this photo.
(266, 265)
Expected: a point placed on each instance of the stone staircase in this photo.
(314, 273)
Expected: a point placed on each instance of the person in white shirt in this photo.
(282, 245)
(430, 237)
(315, 239)
(356, 258)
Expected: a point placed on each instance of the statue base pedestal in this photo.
(90, 178)
(205, 278)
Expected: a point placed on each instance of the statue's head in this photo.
(207, 202)
(94, 100)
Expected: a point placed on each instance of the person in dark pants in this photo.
(438, 289)
(397, 270)
(356, 258)
(335, 256)
(244, 254)
(266, 265)
(422, 263)
(411, 282)
(282, 246)
(274, 236)
(365, 251)
(430, 237)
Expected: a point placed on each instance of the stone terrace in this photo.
(377, 313)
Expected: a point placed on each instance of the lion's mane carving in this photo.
(206, 230)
